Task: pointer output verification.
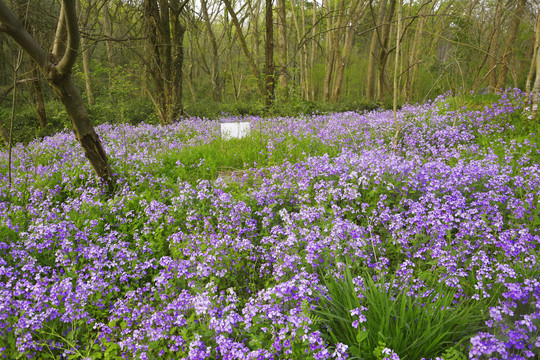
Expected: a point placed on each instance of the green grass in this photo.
(414, 327)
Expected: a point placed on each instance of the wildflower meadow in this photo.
(324, 236)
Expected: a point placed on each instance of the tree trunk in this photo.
(58, 75)
(396, 67)
(86, 54)
(151, 15)
(64, 87)
(509, 46)
(215, 77)
(38, 94)
(165, 34)
(302, 67)
(243, 44)
(311, 83)
(177, 30)
(412, 69)
(269, 55)
(107, 30)
(304, 52)
(375, 43)
(536, 87)
(535, 54)
(494, 48)
(254, 12)
(384, 86)
(347, 25)
(282, 49)
(331, 44)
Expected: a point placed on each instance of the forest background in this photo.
(159, 61)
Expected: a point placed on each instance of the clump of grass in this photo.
(414, 324)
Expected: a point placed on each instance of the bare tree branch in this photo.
(73, 37)
(10, 87)
(12, 27)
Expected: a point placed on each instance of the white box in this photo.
(236, 130)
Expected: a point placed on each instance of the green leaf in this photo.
(361, 336)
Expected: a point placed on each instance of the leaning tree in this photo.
(57, 67)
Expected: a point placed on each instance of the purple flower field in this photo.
(207, 267)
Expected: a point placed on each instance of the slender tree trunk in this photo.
(396, 67)
(190, 85)
(165, 51)
(282, 49)
(494, 48)
(302, 57)
(269, 55)
(155, 64)
(165, 35)
(347, 24)
(509, 46)
(86, 54)
(332, 43)
(384, 86)
(38, 94)
(254, 12)
(177, 61)
(412, 70)
(107, 30)
(376, 40)
(311, 83)
(304, 52)
(243, 44)
(215, 78)
(535, 54)
(338, 65)
(536, 87)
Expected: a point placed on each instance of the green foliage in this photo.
(286, 108)
(413, 326)
(468, 101)
(130, 111)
